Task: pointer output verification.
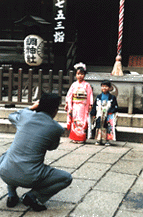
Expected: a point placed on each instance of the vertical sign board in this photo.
(59, 34)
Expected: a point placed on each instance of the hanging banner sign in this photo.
(59, 34)
(33, 50)
(59, 20)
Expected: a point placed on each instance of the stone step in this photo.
(130, 120)
(7, 127)
(123, 119)
(4, 113)
(128, 134)
(129, 127)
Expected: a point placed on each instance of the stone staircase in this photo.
(129, 126)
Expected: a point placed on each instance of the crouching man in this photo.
(22, 165)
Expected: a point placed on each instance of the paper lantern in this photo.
(33, 50)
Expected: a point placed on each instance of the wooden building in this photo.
(94, 21)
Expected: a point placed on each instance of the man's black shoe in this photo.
(12, 201)
(34, 204)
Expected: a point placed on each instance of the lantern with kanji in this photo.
(33, 50)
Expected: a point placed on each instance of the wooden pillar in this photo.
(50, 81)
(30, 85)
(71, 77)
(131, 100)
(40, 83)
(20, 85)
(1, 83)
(60, 82)
(10, 83)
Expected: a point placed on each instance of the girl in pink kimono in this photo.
(79, 101)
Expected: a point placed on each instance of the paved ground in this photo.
(107, 181)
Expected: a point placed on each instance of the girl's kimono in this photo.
(79, 98)
(105, 117)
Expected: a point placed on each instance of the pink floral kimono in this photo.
(79, 98)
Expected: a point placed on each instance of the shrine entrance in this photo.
(97, 25)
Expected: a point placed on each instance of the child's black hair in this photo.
(106, 82)
(81, 70)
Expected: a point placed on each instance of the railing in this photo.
(22, 88)
(12, 53)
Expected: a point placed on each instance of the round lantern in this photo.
(33, 50)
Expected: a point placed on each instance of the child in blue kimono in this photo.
(104, 109)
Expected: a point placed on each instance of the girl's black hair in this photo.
(81, 70)
(106, 82)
